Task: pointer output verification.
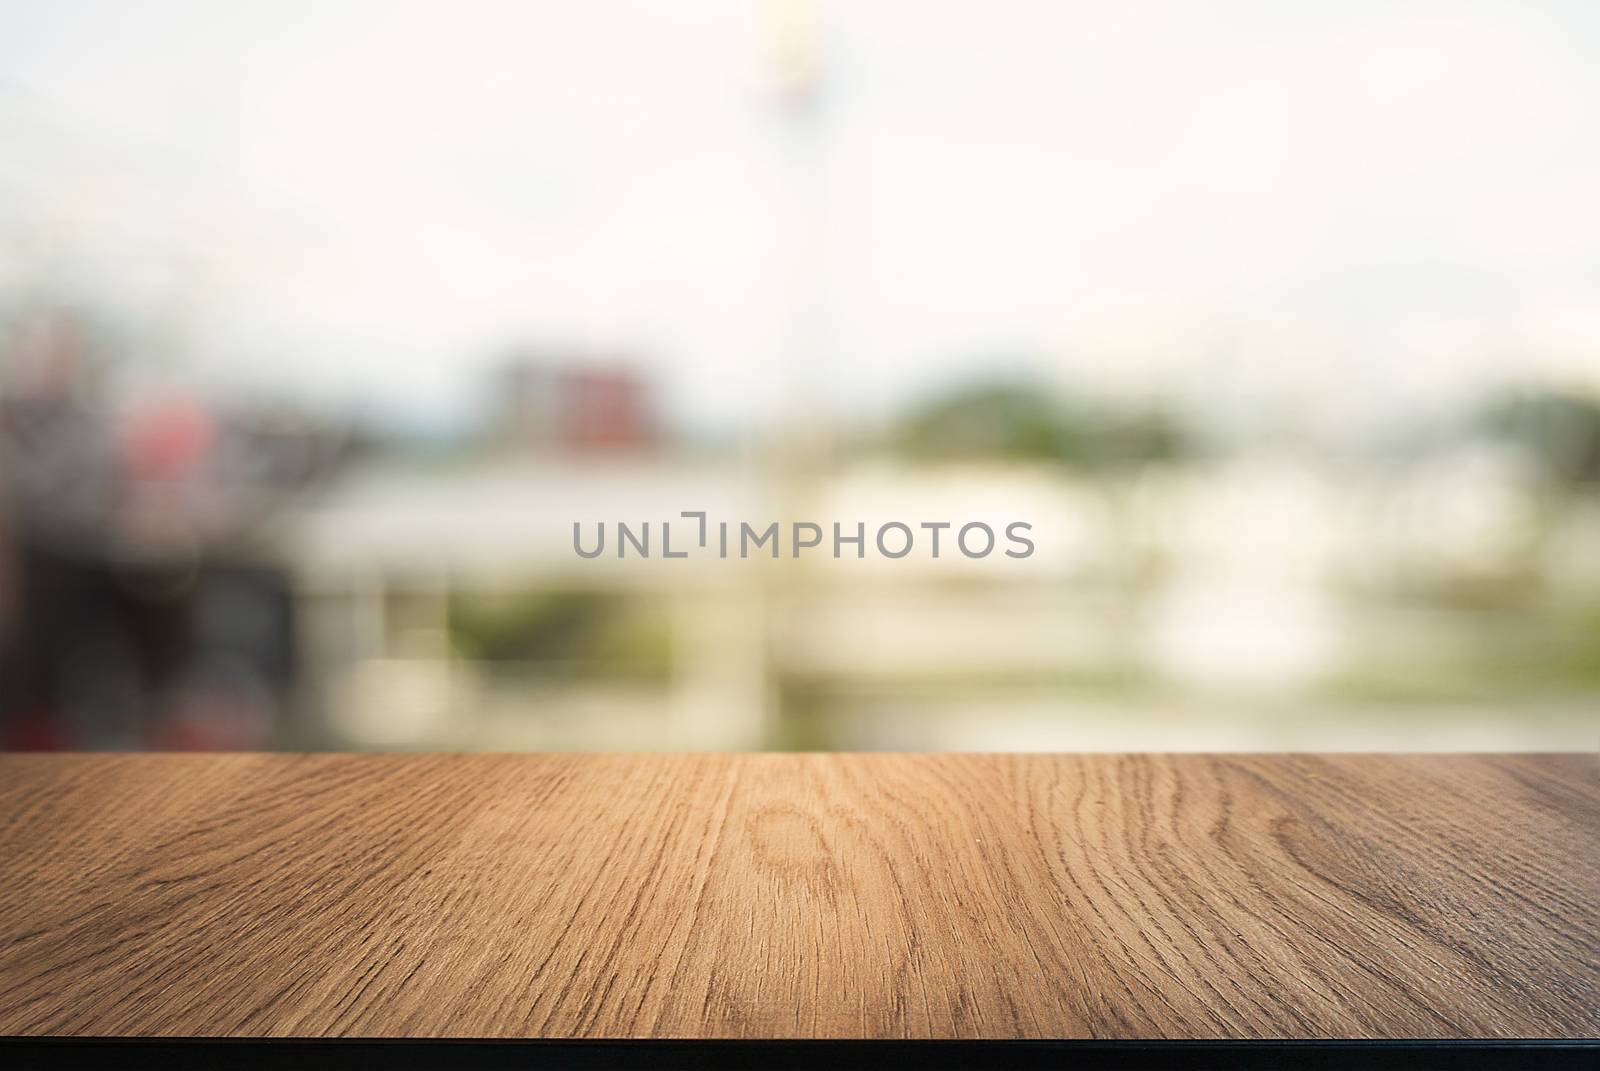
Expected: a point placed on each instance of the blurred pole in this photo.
(794, 73)
(798, 454)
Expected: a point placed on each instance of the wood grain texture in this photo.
(800, 896)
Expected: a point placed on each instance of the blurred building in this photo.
(566, 406)
(144, 605)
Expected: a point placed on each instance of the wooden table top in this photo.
(637, 896)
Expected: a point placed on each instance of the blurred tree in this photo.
(1560, 431)
(561, 631)
(1025, 422)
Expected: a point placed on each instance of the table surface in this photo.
(936, 896)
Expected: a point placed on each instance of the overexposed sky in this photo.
(1341, 207)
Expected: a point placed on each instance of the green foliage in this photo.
(563, 632)
(1022, 422)
(1560, 431)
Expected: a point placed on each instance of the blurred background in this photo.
(321, 323)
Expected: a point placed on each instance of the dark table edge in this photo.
(1401, 1055)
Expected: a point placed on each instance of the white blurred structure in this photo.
(1220, 602)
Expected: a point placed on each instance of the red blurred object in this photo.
(167, 441)
(573, 407)
(605, 409)
(36, 730)
(215, 719)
